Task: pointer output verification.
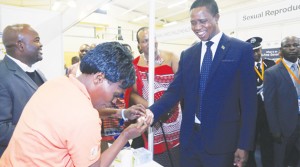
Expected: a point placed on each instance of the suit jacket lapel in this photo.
(11, 65)
(284, 73)
(41, 75)
(195, 72)
(219, 55)
(265, 65)
(195, 62)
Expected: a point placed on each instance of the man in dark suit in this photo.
(263, 135)
(218, 122)
(282, 99)
(18, 78)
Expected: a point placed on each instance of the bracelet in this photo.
(123, 116)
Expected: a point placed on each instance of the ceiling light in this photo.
(177, 4)
(100, 11)
(139, 18)
(170, 24)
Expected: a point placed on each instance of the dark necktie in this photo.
(35, 77)
(259, 81)
(205, 68)
(258, 67)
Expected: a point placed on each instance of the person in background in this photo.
(74, 60)
(263, 135)
(92, 46)
(166, 131)
(74, 69)
(281, 97)
(60, 125)
(217, 82)
(19, 78)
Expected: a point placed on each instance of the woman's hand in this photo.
(135, 112)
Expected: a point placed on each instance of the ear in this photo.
(139, 49)
(217, 17)
(20, 45)
(98, 78)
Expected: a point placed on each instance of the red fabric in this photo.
(163, 74)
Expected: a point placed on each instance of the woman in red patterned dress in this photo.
(166, 132)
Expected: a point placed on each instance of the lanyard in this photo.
(260, 75)
(291, 72)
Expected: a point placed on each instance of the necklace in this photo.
(158, 60)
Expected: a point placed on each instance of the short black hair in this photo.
(114, 60)
(211, 5)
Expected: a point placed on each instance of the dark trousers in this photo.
(196, 156)
(283, 151)
(263, 138)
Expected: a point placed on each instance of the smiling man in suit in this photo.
(217, 82)
(18, 78)
(282, 99)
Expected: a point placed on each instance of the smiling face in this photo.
(290, 48)
(203, 23)
(32, 46)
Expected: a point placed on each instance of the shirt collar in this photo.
(80, 85)
(23, 66)
(260, 61)
(216, 39)
(288, 63)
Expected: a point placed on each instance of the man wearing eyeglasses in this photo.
(282, 100)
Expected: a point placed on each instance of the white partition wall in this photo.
(49, 26)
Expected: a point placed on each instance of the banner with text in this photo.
(284, 10)
(270, 53)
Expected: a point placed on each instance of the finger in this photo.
(140, 107)
(139, 123)
(144, 127)
(139, 111)
(149, 120)
(149, 116)
(237, 162)
(133, 113)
